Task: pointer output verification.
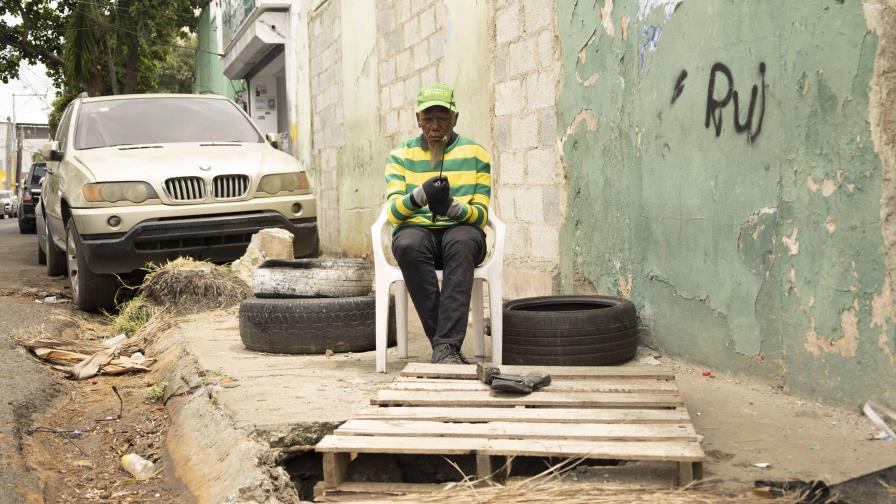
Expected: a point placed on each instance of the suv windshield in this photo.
(161, 120)
(37, 172)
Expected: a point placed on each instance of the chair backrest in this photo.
(376, 236)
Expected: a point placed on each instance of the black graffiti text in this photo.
(715, 106)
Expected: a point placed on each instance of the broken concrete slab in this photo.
(265, 244)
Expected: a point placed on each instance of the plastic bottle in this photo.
(138, 466)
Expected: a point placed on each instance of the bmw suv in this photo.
(137, 179)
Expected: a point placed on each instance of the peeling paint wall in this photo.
(738, 180)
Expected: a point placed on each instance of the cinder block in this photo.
(540, 90)
(421, 54)
(554, 202)
(502, 132)
(547, 120)
(411, 87)
(508, 97)
(529, 204)
(516, 242)
(392, 122)
(505, 202)
(407, 121)
(522, 58)
(524, 131)
(427, 22)
(521, 281)
(405, 63)
(545, 240)
(546, 58)
(397, 92)
(512, 167)
(541, 166)
(385, 99)
(508, 23)
(538, 14)
(411, 32)
(436, 47)
(387, 71)
(385, 19)
(429, 75)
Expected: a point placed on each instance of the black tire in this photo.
(25, 228)
(90, 291)
(569, 331)
(311, 325)
(41, 255)
(55, 256)
(312, 278)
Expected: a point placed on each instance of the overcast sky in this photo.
(33, 109)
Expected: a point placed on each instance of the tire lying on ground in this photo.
(311, 325)
(279, 278)
(569, 331)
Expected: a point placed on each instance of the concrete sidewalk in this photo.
(241, 408)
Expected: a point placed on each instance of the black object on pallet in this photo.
(311, 325)
(570, 331)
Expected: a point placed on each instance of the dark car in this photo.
(29, 196)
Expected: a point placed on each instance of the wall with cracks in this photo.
(731, 168)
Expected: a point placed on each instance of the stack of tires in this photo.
(309, 306)
(570, 331)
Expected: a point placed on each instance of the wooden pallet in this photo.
(618, 413)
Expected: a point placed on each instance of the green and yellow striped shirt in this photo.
(466, 164)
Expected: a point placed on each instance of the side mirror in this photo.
(273, 139)
(50, 151)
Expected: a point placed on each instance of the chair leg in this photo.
(478, 307)
(401, 319)
(496, 312)
(382, 328)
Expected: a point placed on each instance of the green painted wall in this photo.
(757, 249)
(209, 66)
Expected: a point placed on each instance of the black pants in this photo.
(456, 251)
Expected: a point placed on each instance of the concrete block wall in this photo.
(530, 194)
(325, 37)
(411, 45)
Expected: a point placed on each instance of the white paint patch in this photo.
(793, 245)
(587, 82)
(606, 17)
(830, 224)
(645, 7)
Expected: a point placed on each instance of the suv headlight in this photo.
(113, 192)
(279, 182)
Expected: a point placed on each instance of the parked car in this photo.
(29, 196)
(8, 204)
(137, 179)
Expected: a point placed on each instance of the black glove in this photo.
(438, 195)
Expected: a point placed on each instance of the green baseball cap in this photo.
(435, 94)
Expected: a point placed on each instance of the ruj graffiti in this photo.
(715, 106)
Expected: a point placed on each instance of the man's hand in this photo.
(438, 194)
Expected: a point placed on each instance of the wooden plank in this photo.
(553, 415)
(546, 398)
(684, 451)
(380, 488)
(492, 467)
(468, 371)
(685, 473)
(517, 430)
(335, 468)
(609, 385)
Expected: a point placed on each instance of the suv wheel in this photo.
(90, 291)
(23, 227)
(41, 255)
(55, 257)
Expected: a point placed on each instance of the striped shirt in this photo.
(465, 163)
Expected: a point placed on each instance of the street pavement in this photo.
(25, 386)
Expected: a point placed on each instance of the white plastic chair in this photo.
(489, 271)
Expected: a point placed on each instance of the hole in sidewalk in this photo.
(305, 470)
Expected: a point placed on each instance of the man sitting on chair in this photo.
(438, 187)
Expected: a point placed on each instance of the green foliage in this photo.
(131, 316)
(101, 46)
(155, 393)
(37, 157)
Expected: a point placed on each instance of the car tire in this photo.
(55, 257)
(312, 325)
(569, 331)
(26, 228)
(41, 255)
(312, 278)
(90, 291)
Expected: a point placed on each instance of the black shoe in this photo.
(463, 358)
(445, 354)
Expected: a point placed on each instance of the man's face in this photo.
(437, 124)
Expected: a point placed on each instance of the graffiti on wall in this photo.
(721, 93)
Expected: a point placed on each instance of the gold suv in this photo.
(133, 179)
